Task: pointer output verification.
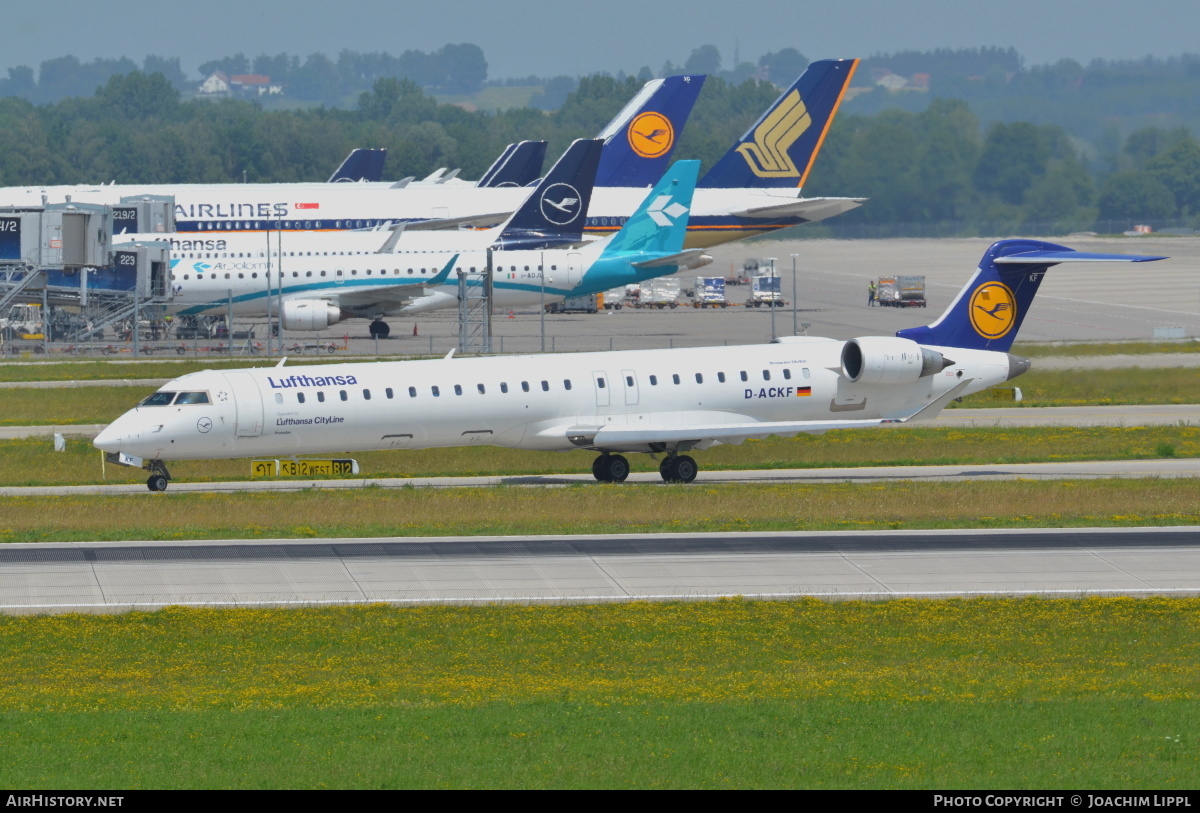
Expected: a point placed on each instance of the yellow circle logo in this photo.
(993, 310)
(651, 135)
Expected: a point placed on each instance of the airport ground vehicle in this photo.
(588, 303)
(614, 299)
(709, 293)
(659, 293)
(765, 292)
(901, 291)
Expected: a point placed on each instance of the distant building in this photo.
(254, 84)
(217, 84)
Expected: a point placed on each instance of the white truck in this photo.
(614, 300)
(903, 291)
(765, 291)
(709, 293)
(659, 293)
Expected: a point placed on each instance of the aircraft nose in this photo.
(109, 439)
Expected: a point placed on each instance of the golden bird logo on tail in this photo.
(768, 156)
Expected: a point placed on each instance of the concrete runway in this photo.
(111, 577)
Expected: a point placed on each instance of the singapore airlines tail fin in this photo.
(554, 213)
(519, 165)
(780, 148)
(361, 165)
(638, 143)
(988, 312)
(660, 224)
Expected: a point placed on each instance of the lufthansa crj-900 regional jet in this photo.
(666, 402)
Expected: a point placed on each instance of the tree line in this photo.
(940, 165)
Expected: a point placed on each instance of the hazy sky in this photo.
(549, 37)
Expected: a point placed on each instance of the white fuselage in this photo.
(552, 402)
(213, 210)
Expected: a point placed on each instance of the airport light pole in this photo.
(773, 303)
(795, 301)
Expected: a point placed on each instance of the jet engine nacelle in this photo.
(889, 360)
(309, 314)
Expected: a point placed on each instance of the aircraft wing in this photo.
(388, 296)
(811, 209)
(623, 437)
(483, 221)
(691, 258)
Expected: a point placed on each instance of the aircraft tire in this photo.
(157, 482)
(678, 469)
(600, 469)
(618, 468)
(380, 328)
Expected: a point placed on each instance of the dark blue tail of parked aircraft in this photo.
(638, 143)
(779, 150)
(989, 311)
(554, 213)
(361, 165)
(519, 165)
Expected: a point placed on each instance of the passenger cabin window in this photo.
(787, 374)
(699, 378)
(279, 397)
(458, 389)
(321, 397)
(300, 397)
(721, 377)
(159, 399)
(653, 381)
(545, 386)
(388, 392)
(343, 394)
(675, 377)
(566, 383)
(766, 375)
(481, 389)
(503, 386)
(366, 395)
(524, 386)
(412, 392)
(744, 376)
(599, 383)
(436, 391)
(628, 381)
(805, 372)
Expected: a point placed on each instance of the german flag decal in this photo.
(803, 391)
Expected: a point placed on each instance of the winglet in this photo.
(444, 274)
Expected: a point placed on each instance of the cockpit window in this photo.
(192, 398)
(159, 399)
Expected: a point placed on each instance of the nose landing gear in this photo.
(159, 476)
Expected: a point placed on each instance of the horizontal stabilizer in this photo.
(811, 210)
(1055, 257)
(691, 258)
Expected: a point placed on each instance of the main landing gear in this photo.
(610, 468)
(159, 476)
(613, 468)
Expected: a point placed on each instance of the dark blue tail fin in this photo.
(638, 143)
(361, 165)
(988, 312)
(779, 150)
(554, 213)
(519, 165)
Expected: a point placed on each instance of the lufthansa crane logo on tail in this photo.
(651, 135)
(768, 156)
(561, 204)
(993, 310)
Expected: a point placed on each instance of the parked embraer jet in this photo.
(665, 402)
(325, 285)
(755, 189)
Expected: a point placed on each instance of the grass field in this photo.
(1096, 693)
(30, 461)
(67, 405)
(593, 508)
(1038, 350)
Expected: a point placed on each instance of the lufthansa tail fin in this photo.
(638, 143)
(361, 165)
(519, 165)
(554, 213)
(988, 312)
(660, 224)
(780, 148)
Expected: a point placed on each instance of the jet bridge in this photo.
(62, 255)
